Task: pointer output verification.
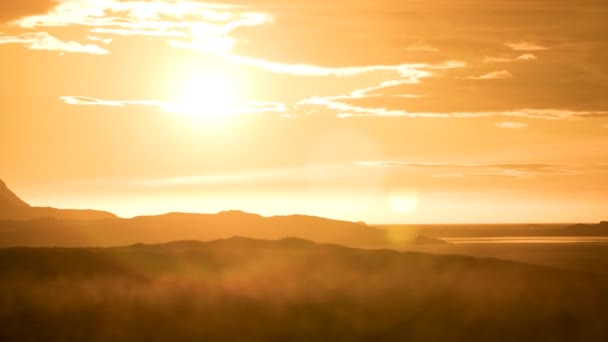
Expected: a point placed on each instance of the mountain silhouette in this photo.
(14, 208)
(22, 225)
(8, 199)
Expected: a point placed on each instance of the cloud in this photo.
(495, 75)
(251, 107)
(413, 71)
(512, 124)
(381, 58)
(374, 90)
(44, 41)
(339, 106)
(99, 39)
(259, 107)
(90, 101)
(525, 46)
(133, 14)
(345, 110)
(201, 23)
(547, 114)
(524, 57)
(140, 32)
(514, 170)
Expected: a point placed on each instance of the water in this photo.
(527, 239)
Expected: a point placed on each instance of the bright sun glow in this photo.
(207, 94)
(404, 203)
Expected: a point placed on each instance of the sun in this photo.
(404, 203)
(206, 94)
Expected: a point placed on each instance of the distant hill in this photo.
(500, 230)
(202, 227)
(22, 225)
(240, 289)
(13, 208)
(599, 229)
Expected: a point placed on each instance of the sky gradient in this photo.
(381, 111)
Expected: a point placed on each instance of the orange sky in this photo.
(382, 111)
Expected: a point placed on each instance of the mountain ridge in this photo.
(9, 199)
(15, 209)
(38, 227)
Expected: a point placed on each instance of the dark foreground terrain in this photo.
(586, 257)
(252, 290)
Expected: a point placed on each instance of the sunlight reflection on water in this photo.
(526, 239)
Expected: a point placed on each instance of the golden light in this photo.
(405, 203)
(207, 94)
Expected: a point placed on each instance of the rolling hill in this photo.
(291, 289)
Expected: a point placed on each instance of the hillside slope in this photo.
(296, 290)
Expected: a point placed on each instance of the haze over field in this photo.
(296, 290)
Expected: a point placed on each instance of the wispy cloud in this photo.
(129, 14)
(251, 107)
(211, 28)
(411, 71)
(99, 39)
(90, 101)
(376, 89)
(515, 170)
(511, 124)
(524, 57)
(525, 46)
(200, 23)
(257, 107)
(495, 75)
(547, 114)
(44, 41)
(140, 32)
(339, 106)
(345, 110)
